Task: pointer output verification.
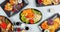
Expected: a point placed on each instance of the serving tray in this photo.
(10, 13)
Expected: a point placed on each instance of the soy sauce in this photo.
(26, 28)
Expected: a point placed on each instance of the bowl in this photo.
(30, 16)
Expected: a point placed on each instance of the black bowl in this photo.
(31, 8)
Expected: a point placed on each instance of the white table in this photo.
(44, 10)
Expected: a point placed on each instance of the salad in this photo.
(47, 2)
(51, 24)
(5, 25)
(30, 16)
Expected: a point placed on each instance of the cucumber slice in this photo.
(23, 18)
(27, 21)
(22, 14)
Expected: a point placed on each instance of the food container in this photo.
(12, 7)
(5, 24)
(40, 3)
(51, 24)
(30, 16)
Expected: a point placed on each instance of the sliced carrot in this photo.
(44, 25)
(28, 13)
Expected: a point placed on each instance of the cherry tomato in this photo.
(27, 16)
(3, 25)
(31, 21)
